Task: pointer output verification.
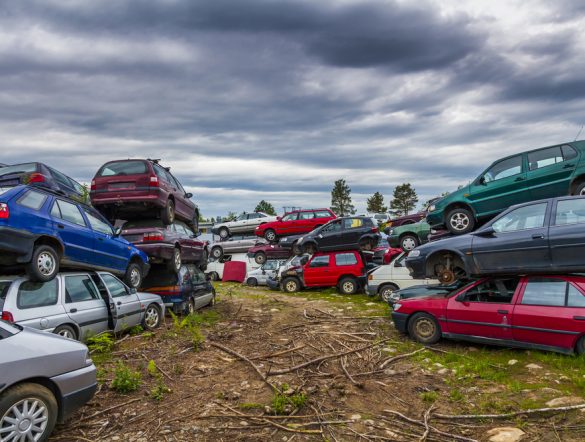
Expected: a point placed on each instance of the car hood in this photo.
(149, 297)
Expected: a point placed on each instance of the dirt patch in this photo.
(315, 366)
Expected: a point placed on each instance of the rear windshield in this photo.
(123, 168)
(18, 168)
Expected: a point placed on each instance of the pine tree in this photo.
(376, 204)
(341, 199)
(404, 198)
(266, 207)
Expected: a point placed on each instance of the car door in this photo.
(317, 272)
(76, 236)
(567, 242)
(499, 187)
(200, 286)
(550, 171)
(127, 307)
(192, 249)
(329, 235)
(484, 309)
(84, 305)
(40, 305)
(353, 229)
(187, 207)
(288, 224)
(110, 251)
(514, 242)
(305, 222)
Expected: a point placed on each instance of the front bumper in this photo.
(362, 281)
(400, 320)
(77, 388)
(371, 290)
(17, 242)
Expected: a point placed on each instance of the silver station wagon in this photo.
(78, 305)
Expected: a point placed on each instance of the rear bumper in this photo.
(157, 250)
(77, 388)
(17, 242)
(400, 320)
(154, 197)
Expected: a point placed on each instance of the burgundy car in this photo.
(403, 220)
(171, 245)
(263, 252)
(129, 189)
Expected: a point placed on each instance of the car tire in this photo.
(252, 282)
(66, 331)
(214, 276)
(190, 306)
(152, 317)
(580, 190)
(204, 260)
(41, 398)
(260, 258)
(367, 245)
(224, 233)
(270, 235)
(409, 242)
(424, 328)
(460, 221)
(213, 300)
(44, 264)
(348, 286)
(133, 275)
(167, 214)
(174, 265)
(291, 285)
(386, 291)
(580, 346)
(216, 252)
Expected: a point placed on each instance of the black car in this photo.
(291, 242)
(39, 174)
(536, 237)
(347, 233)
(419, 291)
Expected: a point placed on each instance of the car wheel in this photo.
(216, 252)
(260, 258)
(580, 347)
(27, 412)
(460, 221)
(66, 331)
(174, 265)
(310, 249)
(367, 245)
(386, 291)
(133, 275)
(152, 317)
(224, 233)
(296, 249)
(252, 282)
(213, 301)
(580, 190)
(204, 260)
(425, 329)
(348, 286)
(409, 242)
(291, 285)
(190, 306)
(44, 264)
(168, 213)
(214, 276)
(270, 235)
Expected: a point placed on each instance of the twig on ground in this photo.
(397, 358)
(347, 375)
(91, 416)
(507, 415)
(426, 419)
(416, 422)
(280, 353)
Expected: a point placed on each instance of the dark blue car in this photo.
(44, 231)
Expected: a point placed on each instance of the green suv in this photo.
(542, 173)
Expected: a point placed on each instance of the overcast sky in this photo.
(256, 99)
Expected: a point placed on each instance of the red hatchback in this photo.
(127, 189)
(537, 312)
(263, 252)
(295, 223)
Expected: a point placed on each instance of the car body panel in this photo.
(268, 270)
(345, 233)
(236, 245)
(297, 222)
(246, 222)
(329, 275)
(420, 230)
(272, 251)
(395, 274)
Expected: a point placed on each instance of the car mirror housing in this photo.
(117, 232)
(488, 231)
(188, 195)
(481, 180)
(461, 297)
(133, 290)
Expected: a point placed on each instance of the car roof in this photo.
(546, 200)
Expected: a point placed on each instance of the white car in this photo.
(261, 275)
(386, 279)
(246, 222)
(215, 268)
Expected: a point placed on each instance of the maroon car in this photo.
(171, 245)
(262, 252)
(129, 189)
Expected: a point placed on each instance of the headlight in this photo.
(396, 307)
(414, 253)
(395, 296)
(390, 232)
(300, 239)
(284, 240)
(431, 208)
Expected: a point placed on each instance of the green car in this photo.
(409, 236)
(537, 174)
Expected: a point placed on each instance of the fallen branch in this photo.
(280, 353)
(427, 417)
(507, 415)
(442, 433)
(397, 358)
(107, 409)
(348, 376)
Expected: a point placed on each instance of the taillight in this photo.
(7, 316)
(154, 236)
(153, 181)
(375, 229)
(36, 178)
(93, 186)
(4, 211)
(370, 277)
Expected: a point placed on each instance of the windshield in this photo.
(123, 168)
(18, 168)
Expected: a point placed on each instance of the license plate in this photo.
(115, 186)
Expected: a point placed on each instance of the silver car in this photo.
(78, 305)
(43, 379)
(268, 270)
(246, 222)
(239, 244)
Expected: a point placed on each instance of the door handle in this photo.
(538, 236)
(579, 318)
(73, 310)
(568, 166)
(519, 179)
(119, 303)
(100, 238)
(60, 226)
(503, 312)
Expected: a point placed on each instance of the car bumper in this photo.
(371, 290)
(417, 267)
(273, 284)
(129, 197)
(77, 388)
(435, 219)
(157, 250)
(18, 242)
(400, 320)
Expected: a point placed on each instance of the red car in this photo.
(538, 312)
(127, 189)
(294, 223)
(171, 245)
(262, 252)
(344, 269)
(385, 255)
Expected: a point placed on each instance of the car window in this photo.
(345, 259)
(32, 200)
(253, 215)
(270, 265)
(123, 168)
(98, 224)
(568, 152)
(400, 261)
(545, 291)
(290, 216)
(197, 276)
(320, 261)
(18, 168)
(504, 169)
(159, 172)
(79, 288)
(115, 286)
(68, 212)
(4, 286)
(334, 226)
(522, 218)
(353, 223)
(544, 157)
(169, 178)
(306, 215)
(322, 214)
(570, 211)
(499, 291)
(37, 294)
(61, 178)
(574, 297)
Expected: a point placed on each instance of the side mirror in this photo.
(481, 180)
(488, 231)
(188, 195)
(397, 264)
(461, 297)
(279, 218)
(133, 290)
(117, 232)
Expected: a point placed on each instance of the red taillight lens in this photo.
(375, 229)
(4, 211)
(93, 185)
(155, 236)
(36, 178)
(7, 316)
(153, 181)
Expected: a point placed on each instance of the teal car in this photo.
(409, 236)
(547, 172)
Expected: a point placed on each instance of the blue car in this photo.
(43, 231)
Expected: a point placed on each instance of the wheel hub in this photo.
(459, 221)
(425, 328)
(26, 420)
(46, 263)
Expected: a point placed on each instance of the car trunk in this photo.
(136, 235)
(122, 182)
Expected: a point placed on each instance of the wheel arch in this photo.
(580, 179)
(48, 384)
(433, 259)
(74, 326)
(458, 205)
(51, 241)
(411, 315)
(348, 275)
(386, 284)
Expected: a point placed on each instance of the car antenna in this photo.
(154, 160)
(579, 133)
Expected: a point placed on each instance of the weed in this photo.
(429, 396)
(159, 391)
(282, 403)
(101, 374)
(455, 395)
(102, 343)
(152, 370)
(196, 337)
(250, 406)
(136, 330)
(126, 379)
(178, 369)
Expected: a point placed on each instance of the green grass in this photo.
(429, 396)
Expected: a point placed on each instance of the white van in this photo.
(385, 279)
(215, 268)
